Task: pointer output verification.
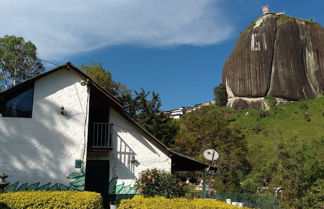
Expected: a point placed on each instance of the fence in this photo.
(249, 200)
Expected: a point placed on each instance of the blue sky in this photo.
(174, 47)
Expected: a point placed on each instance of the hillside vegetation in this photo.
(302, 120)
(261, 151)
(264, 130)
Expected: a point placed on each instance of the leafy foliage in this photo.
(220, 94)
(276, 161)
(143, 106)
(271, 101)
(281, 123)
(154, 182)
(164, 203)
(50, 199)
(104, 79)
(296, 170)
(18, 61)
(209, 128)
(314, 197)
(97, 73)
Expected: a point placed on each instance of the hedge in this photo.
(51, 199)
(139, 202)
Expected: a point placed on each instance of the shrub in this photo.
(271, 101)
(262, 114)
(303, 106)
(307, 117)
(164, 203)
(257, 128)
(314, 197)
(51, 199)
(220, 95)
(154, 182)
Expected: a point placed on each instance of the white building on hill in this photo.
(60, 131)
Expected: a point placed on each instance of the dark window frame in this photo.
(13, 94)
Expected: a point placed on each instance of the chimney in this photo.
(266, 10)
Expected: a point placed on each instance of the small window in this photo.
(19, 104)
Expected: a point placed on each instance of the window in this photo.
(18, 104)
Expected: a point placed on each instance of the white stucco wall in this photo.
(44, 148)
(128, 141)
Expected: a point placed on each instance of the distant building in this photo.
(207, 104)
(178, 113)
(266, 10)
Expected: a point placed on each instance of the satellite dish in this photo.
(211, 154)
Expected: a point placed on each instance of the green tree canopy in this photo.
(143, 106)
(209, 128)
(104, 79)
(97, 73)
(220, 95)
(296, 170)
(18, 61)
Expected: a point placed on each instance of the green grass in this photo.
(303, 120)
(283, 18)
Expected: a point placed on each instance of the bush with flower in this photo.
(155, 182)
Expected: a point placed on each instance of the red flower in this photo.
(153, 180)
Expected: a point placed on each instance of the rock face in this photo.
(277, 56)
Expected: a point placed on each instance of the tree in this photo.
(165, 129)
(220, 95)
(18, 60)
(104, 79)
(209, 128)
(297, 170)
(314, 197)
(98, 74)
(144, 107)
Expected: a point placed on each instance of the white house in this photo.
(60, 131)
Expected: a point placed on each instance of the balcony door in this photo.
(99, 127)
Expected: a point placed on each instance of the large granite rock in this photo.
(277, 56)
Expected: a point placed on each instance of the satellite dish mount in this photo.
(211, 154)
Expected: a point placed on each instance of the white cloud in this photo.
(64, 27)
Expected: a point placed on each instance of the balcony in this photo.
(100, 136)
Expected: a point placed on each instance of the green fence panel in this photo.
(249, 200)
